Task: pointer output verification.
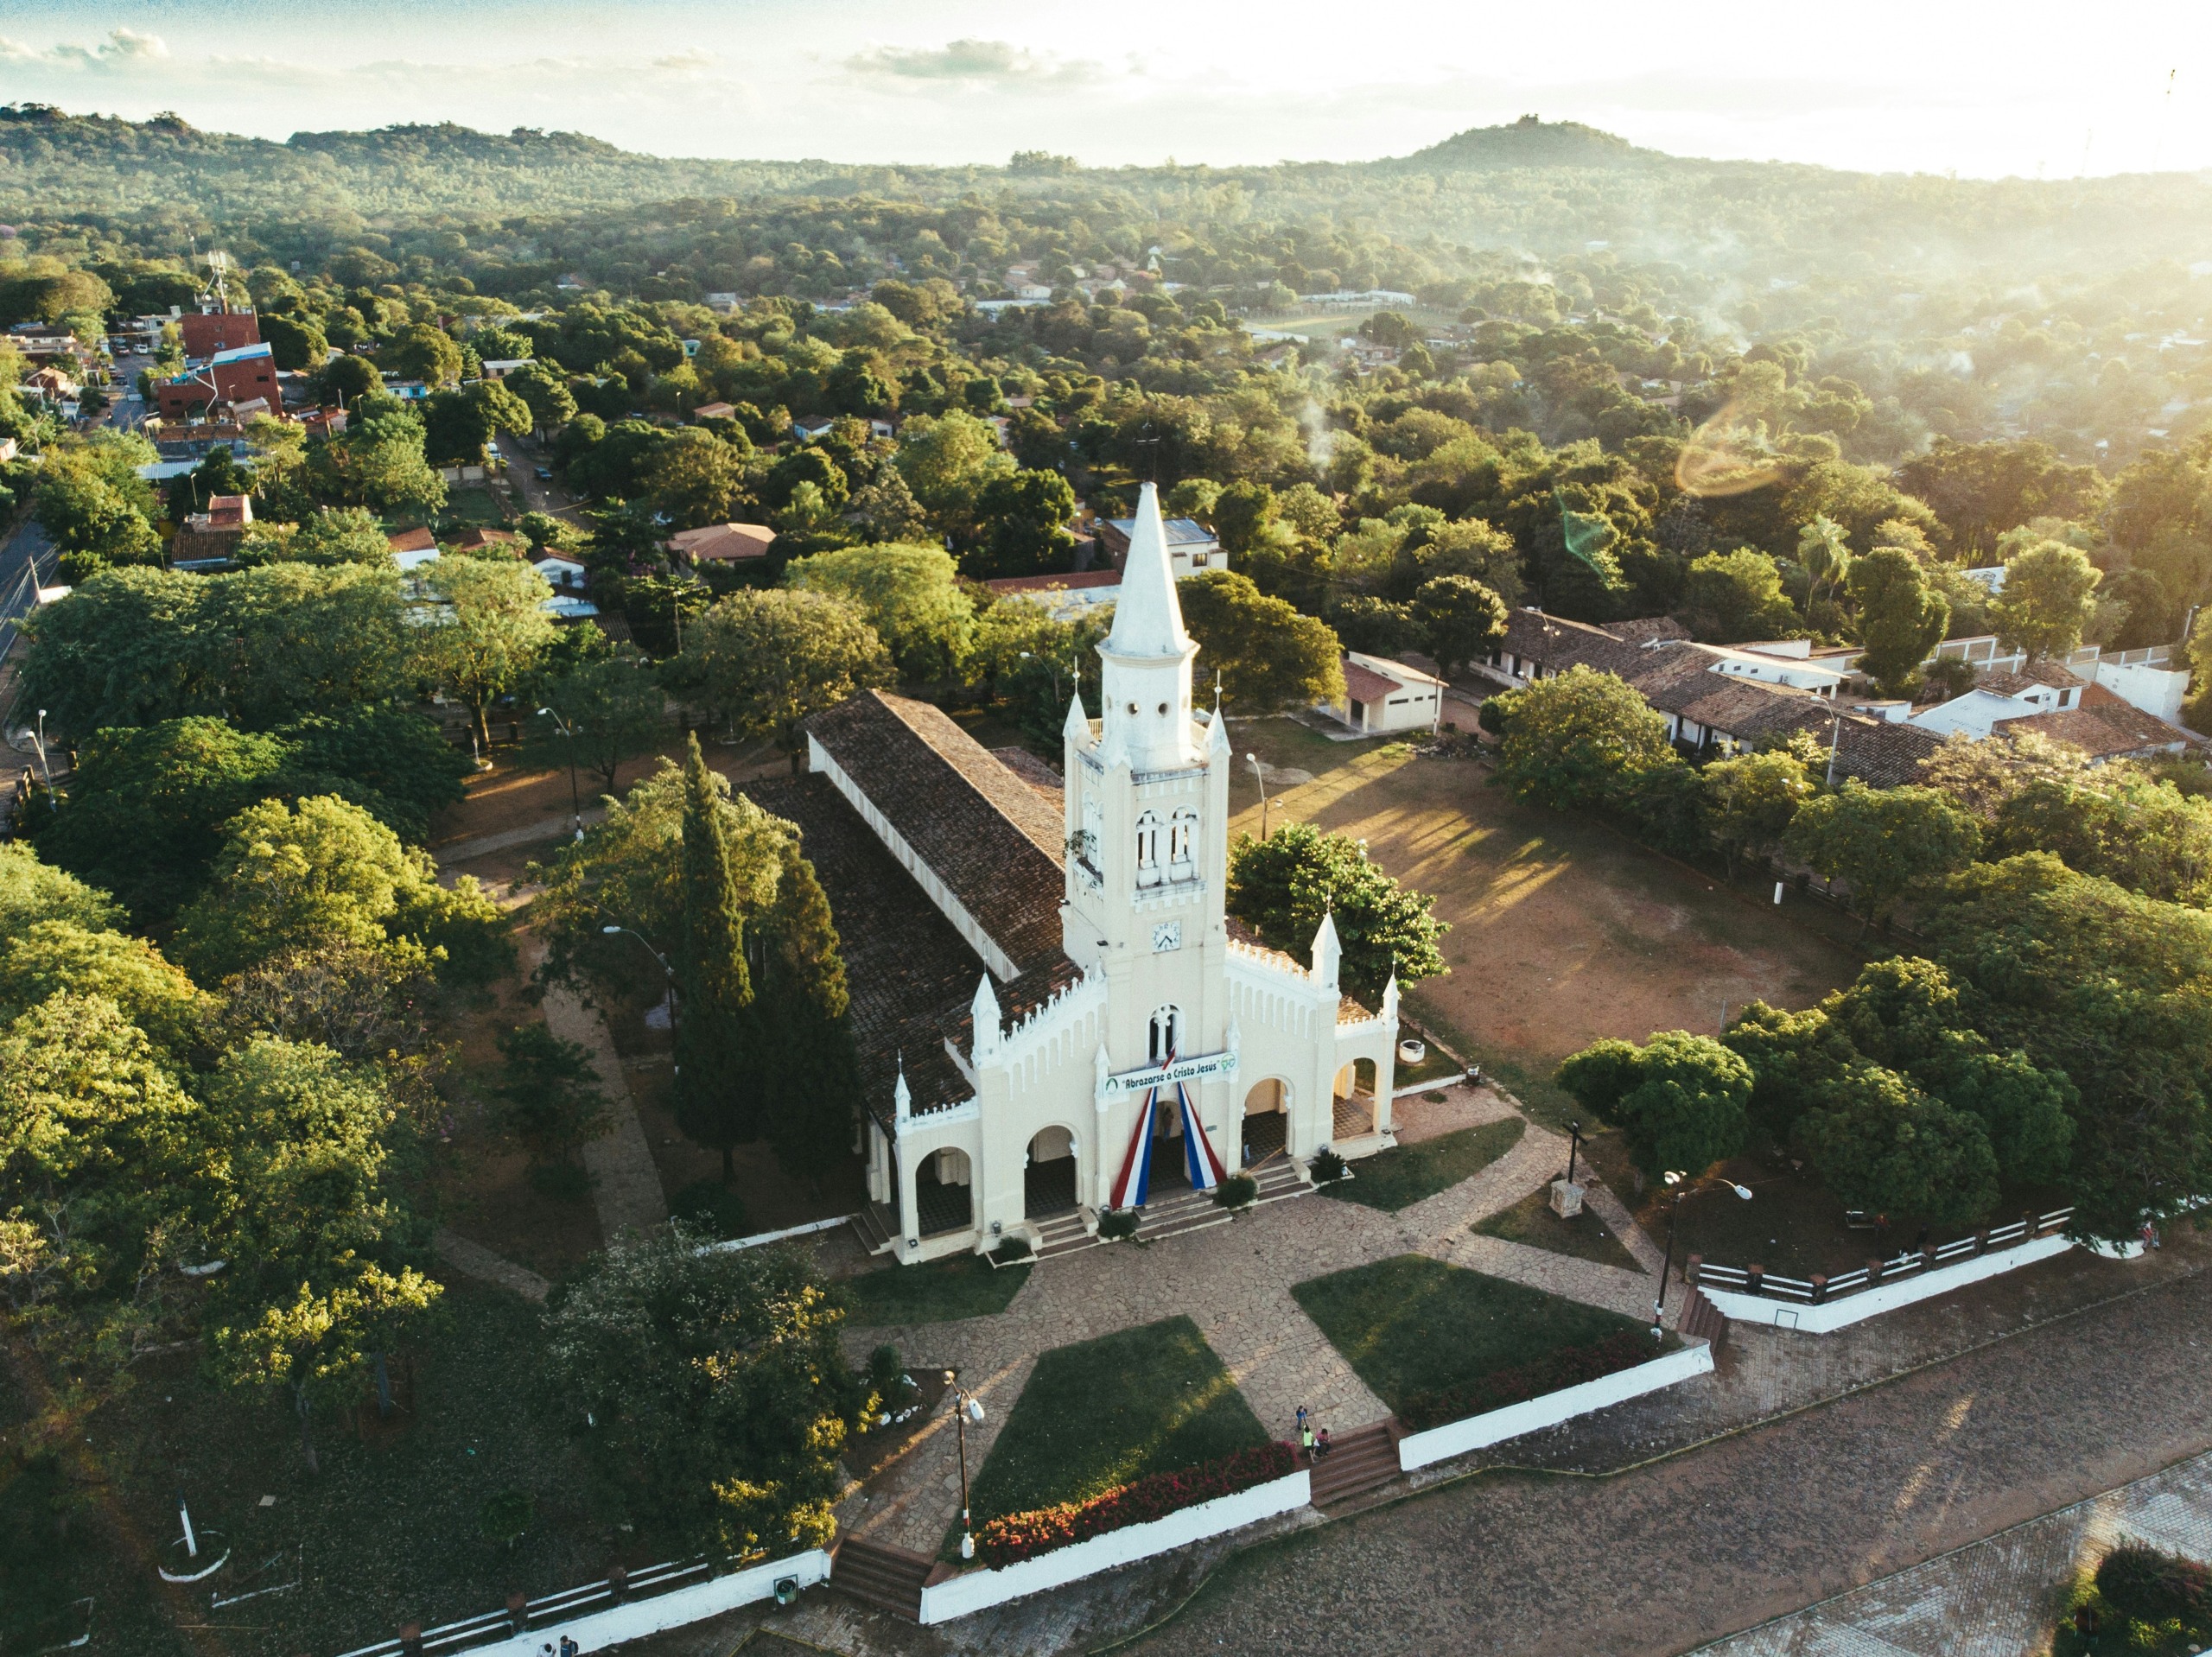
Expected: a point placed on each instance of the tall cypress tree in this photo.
(714, 1089)
(808, 1059)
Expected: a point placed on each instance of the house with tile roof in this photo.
(1383, 696)
(1054, 1014)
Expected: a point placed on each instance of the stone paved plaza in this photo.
(1234, 1280)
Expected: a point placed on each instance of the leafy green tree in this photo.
(1282, 886)
(1024, 517)
(420, 351)
(1577, 738)
(286, 640)
(1750, 800)
(1679, 1100)
(2050, 595)
(31, 892)
(91, 501)
(765, 660)
(1881, 1145)
(123, 648)
(1269, 656)
(1824, 554)
(296, 343)
(333, 534)
(910, 594)
(1900, 621)
(325, 871)
(146, 808)
(380, 463)
(1462, 620)
(1882, 843)
(53, 956)
(717, 1091)
(344, 380)
(720, 1393)
(1475, 550)
(92, 1119)
(314, 1238)
(545, 394)
(1735, 596)
(946, 460)
(1034, 661)
(489, 632)
(550, 1096)
(601, 713)
(808, 1065)
(697, 478)
(459, 424)
(397, 763)
(888, 512)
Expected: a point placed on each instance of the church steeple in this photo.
(1145, 688)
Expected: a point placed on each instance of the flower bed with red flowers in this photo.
(1569, 1367)
(1013, 1537)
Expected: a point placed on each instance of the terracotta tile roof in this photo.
(2101, 732)
(477, 538)
(1365, 685)
(1636, 633)
(992, 838)
(1077, 579)
(412, 540)
(906, 967)
(1038, 773)
(1744, 707)
(723, 541)
(1880, 754)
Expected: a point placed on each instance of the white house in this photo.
(1054, 1015)
(1381, 696)
(1190, 545)
(1996, 697)
(498, 368)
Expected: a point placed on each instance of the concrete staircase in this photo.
(1363, 1460)
(1061, 1234)
(889, 1578)
(877, 1228)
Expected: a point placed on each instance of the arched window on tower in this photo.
(1167, 1033)
(1183, 846)
(1152, 868)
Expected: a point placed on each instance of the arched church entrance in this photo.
(945, 1192)
(1355, 1113)
(1267, 1121)
(1048, 1180)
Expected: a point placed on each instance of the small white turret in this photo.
(1076, 726)
(988, 1038)
(1390, 999)
(902, 1096)
(1328, 953)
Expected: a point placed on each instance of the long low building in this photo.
(1716, 699)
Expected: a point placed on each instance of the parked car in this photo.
(543, 474)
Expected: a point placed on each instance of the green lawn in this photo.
(1396, 1178)
(1531, 1220)
(965, 1286)
(1413, 1324)
(1097, 1414)
(391, 1527)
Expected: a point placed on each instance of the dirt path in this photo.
(624, 1184)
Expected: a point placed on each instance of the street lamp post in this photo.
(1261, 777)
(1690, 1188)
(1574, 1144)
(966, 1407)
(1050, 667)
(667, 971)
(569, 738)
(45, 771)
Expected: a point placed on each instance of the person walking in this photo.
(1306, 1440)
(1301, 1418)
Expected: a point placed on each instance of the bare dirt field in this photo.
(1562, 930)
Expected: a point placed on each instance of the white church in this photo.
(1054, 1015)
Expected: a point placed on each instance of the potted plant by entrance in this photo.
(1237, 1191)
(1117, 1224)
(1326, 1167)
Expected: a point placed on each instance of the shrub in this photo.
(1010, 1249)
(713, 1207)
(1116, 1224)
(1569, 1367)
(2146, 1586)
(1238, 1190)
(1327, 1167)
(1013, 1537)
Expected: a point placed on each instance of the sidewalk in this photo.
(1996, 1597)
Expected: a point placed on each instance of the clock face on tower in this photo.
(1168, 934)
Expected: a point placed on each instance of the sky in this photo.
(1966, 86)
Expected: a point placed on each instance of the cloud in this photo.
(999, 61)
(124, 49)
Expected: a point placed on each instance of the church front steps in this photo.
(1364, 1459)
(876, 1227)
(889, 1578)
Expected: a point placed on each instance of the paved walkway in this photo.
(475, 1261)
(462, 851)
(1233, 1281)
(1994, 1598)
(625, 1182)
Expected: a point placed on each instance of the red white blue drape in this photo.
(1134, 1183)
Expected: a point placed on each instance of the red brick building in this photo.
(236, 376)
(205, 333)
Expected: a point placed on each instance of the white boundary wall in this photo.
(1534, 1414)
(976, 1591)
(619, 1624)
(1856, 1308)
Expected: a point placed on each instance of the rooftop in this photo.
(723, 541)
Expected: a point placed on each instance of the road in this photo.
(27, 563)
(522, 461)
(1667, 1556)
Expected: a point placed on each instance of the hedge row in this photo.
(1013, 1537)
(1569, 1367)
